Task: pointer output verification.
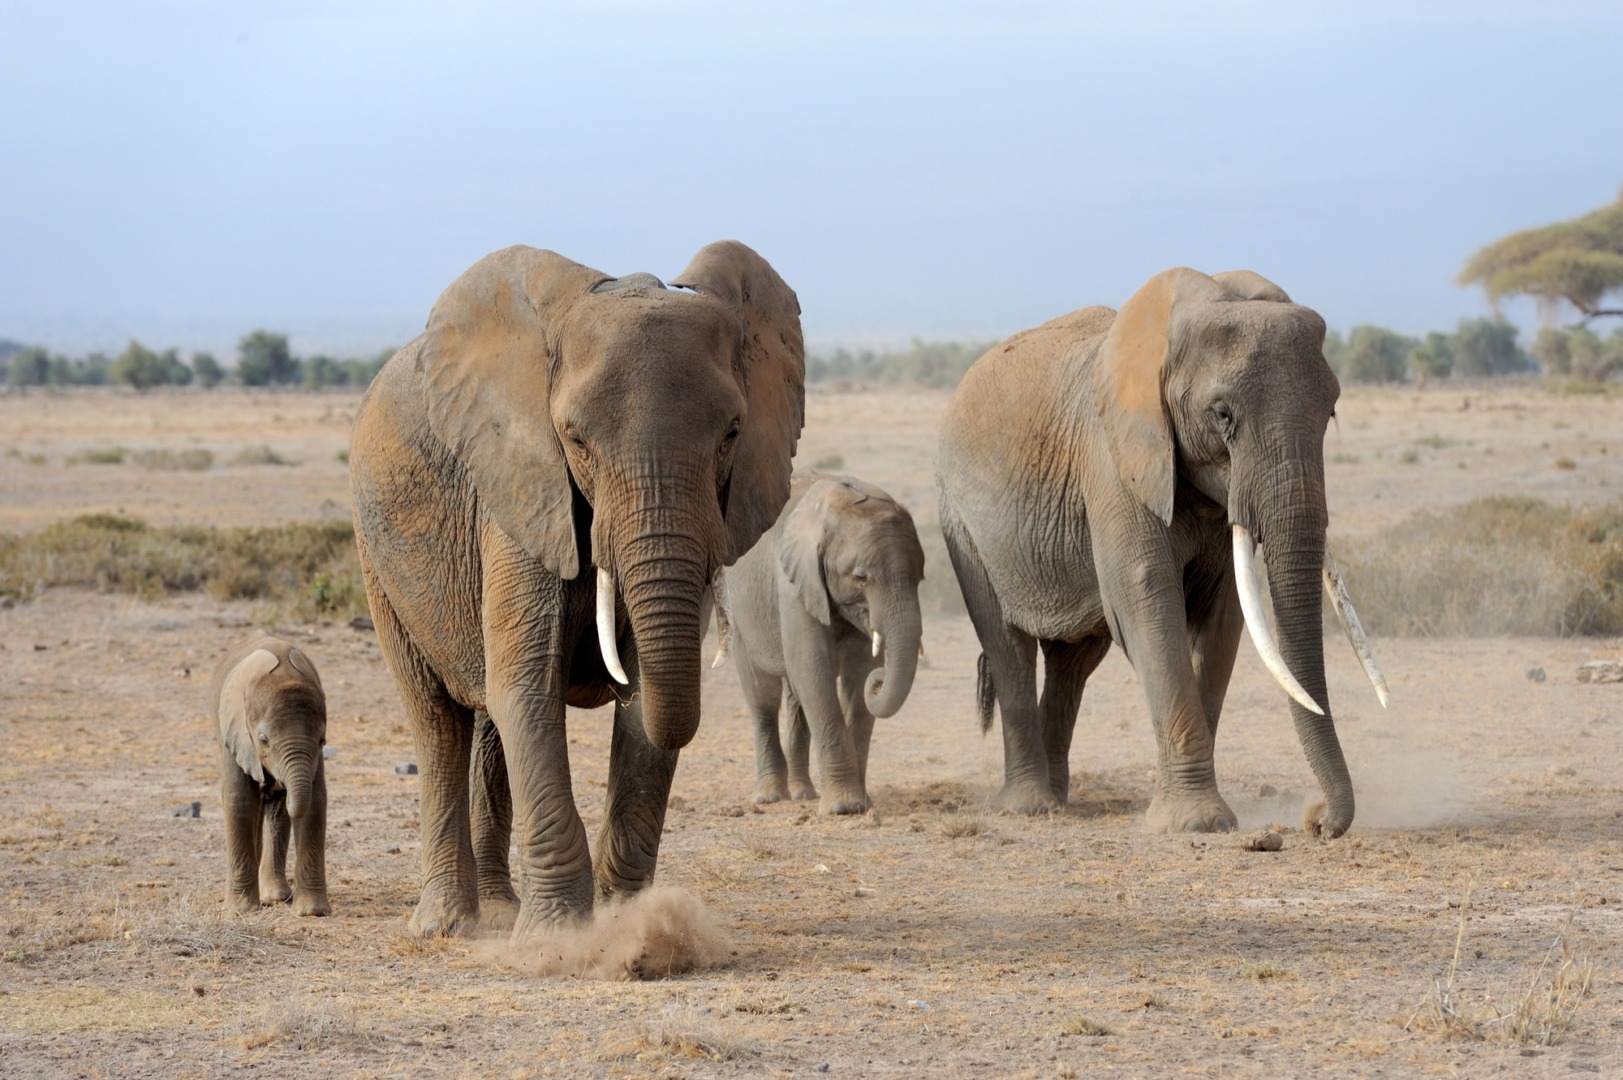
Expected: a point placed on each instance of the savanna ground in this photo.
(1471, 923)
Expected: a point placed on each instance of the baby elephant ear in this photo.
(305, 667)
(800, 554)
(488, 357)
(1250, 285)
(772, 374)
(235, 732)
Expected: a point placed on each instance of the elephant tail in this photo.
(985, 692)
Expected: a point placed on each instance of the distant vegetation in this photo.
(263, 359)
(1577, 263)
(923, 363)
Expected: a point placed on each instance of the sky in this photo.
(183, 172)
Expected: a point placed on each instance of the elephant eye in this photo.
(264, 739)
(860, 575)
(1223, 419)
(731, 437)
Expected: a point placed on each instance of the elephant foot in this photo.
(442, 914)
(539, 920)
(498, 911)
(311, 903)
(1192, 811)
(771, 791)
(844, 801)
(244, 903)
(1027, 798)
(274, 892)
(802, 790)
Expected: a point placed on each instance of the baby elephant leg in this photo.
(273, 886)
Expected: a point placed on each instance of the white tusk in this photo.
(724, 620)
(1245, 580)
(1337, 589)
(877, 641)
(605, 626)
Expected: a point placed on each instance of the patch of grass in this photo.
(1263, 970)
(1344, 459)
(1084, 1025)
(195, 459)
(259, 455)
(1565, 463)
(327, 1023)
(1435, 441)
(829, 463)
(964, 826)
(342, 456)
(683, 1033)
(1409, 457)
(1495, 566)
(309, 566)
(105, 455)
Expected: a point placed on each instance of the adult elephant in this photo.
(1105, 476)
(828, 604)
(546, 482)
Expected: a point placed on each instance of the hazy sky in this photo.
(185, 171)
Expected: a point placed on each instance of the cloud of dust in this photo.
(657, 933)
(1400, 787)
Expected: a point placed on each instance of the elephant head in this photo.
(618, 424)
(273, 719)
(851, 552)
(1222, 381)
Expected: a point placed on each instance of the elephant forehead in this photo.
(638, 322)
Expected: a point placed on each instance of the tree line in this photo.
(263, 359)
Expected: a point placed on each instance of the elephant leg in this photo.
(491, 806)
(640, 776)
(854, 705)
(273, 887)
(798, 733)
(763, 693)
(241, 800)
(1066, 667)
(443, 733)
(1143, 590)
(310, 851)
(813, 679)
(1010, 658)
(1214, 639)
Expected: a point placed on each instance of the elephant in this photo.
(546, 483)
(271, 713)
(1106, 476)
(828, 603)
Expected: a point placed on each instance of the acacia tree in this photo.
(1577, 262)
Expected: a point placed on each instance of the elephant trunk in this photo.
(664, 567)
(896, 622)
(1293, 539)
(297, 771)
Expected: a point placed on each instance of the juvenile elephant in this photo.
(271, 714)
(828, 603)
(546, 483)
(1106, 476)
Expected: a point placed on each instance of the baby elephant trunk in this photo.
(897, 630)
(298, 777)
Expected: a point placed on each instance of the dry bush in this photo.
(326, 1023)
(683, 1032)
(1493, 566)
(1083, 1025)
(311, 566)
(101, 455)
(260, 455)
(195, 459)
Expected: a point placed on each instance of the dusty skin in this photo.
(929, 937)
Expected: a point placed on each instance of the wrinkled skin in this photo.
(554, 424)
(843, 562)
(271, 715)
(1089, 474)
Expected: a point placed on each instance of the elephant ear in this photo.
(235, 732)
(488, 357)
(1250, 285)
(305, 667)
(772, 371)
(800, 554)
(1130, 377)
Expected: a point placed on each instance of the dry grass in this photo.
(684, 1032)
(260, 455)
(1083, 1025)
(1493, 566)
(323, 1024)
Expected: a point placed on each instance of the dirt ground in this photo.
(931, 937)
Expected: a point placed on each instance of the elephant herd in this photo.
(562, 480)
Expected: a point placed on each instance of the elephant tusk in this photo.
(724, 620)
(877, 642)
(605, 626)
(1245, 580)
(1337, 588)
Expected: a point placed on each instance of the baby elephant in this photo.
(827, 601)
(272, 716)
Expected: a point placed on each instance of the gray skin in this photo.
(1089, 474)
(552, 422)
(271, 715)
(842, 562)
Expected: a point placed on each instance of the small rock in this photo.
(392, 849)
(821, 868)
(191, 810)
(406, 768)
(821, 1066)
(7, 603)
(916, 1003)
(361, 622)
(731, 811)
(199, 989)
(1535, 674)
(1267, 791)
(40, 648)
(329, 752)
(1263, 840)
(1596, 671)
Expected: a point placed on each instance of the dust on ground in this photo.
(932, 936)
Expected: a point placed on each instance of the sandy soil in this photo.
(931, 937)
